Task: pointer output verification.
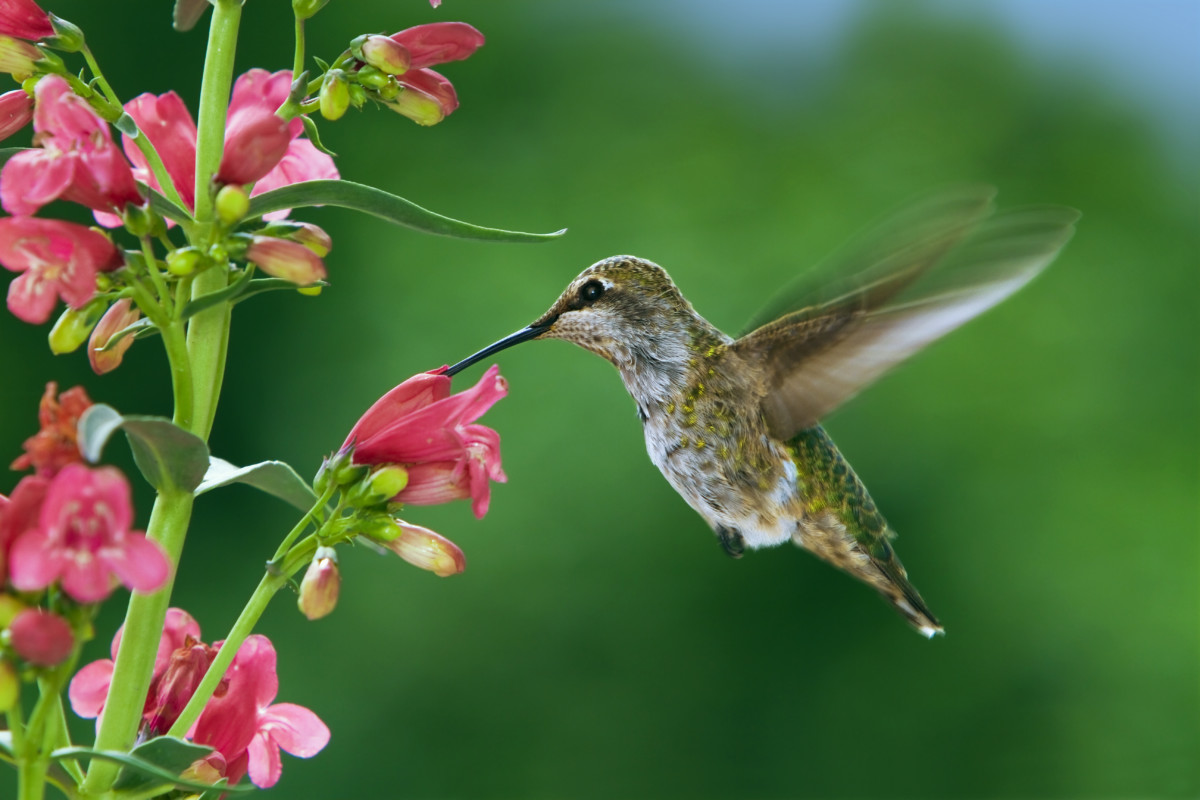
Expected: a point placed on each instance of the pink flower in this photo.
(40, 637)
(247, 729)
(83, 539)
(24, 19)
(256, 96)
(18, 514)
(57, 259)
(119, 316)
(424, 428)
(430, 97)
(16, 110)
(89, 688)
(56, 443)
(76, 160)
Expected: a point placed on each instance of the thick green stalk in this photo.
(206, 342)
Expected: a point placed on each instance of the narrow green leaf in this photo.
(168, 754)
(314, 136)
(384, 205)
(131, 762)
(260, 285)
(220, 296)
(273, 477)
(168, 209)
(95, 427)
(168, 456)
(139, 330)
(188, 13)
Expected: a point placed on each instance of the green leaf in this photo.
(140, 770)
(168, 456)
(273, 477)
(188, 13)
(139, 330)
(384, 205)
(260, 285)
(220, 296)
(168, 209)
(314, 136)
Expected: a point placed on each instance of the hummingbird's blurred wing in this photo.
(917, 277)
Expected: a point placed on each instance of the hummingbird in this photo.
(734, 424)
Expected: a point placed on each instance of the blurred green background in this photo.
(1040, 465)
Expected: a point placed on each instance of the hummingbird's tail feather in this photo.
(904, 596)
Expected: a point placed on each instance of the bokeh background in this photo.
(1040, 465)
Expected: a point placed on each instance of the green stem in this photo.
(101, 81)
(156, 278)
(298, 59)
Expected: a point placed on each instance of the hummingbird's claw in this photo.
(732, 541)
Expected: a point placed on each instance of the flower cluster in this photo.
(241, 721)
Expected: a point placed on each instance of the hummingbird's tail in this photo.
(902, 594)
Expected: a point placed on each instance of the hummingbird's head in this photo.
(624, 309)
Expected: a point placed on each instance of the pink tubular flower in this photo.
(20, 513)
(424, 428)
(77, 159)
(57, 259)
(56, 443)
(41, 637)
(435, 43)
(120, 315)
(16, 109)
(286, 259)
(430, 551)
(247, 729)
(83, 539)
(24, 19)
(257, 94)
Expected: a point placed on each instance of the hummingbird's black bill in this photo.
(523, 335)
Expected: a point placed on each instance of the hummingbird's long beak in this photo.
(523, 335)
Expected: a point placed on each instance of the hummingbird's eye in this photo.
(590, 292)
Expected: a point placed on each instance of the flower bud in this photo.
(358, 95)
(418, 106)
(347, 473)
(18, 57)
(10, 686)
(313, 237)
(380, 486)
(40, 637)
(309, 291)
(141, 220)
(391, 91)
(423, 548)
(335, 94)
(184, 261)
(232, 204)
(305, 9)
(371, 78)
(73, 326)
(103, 357)
(381, 528)
(9, 608)
(255, 142)
(382, 53)
(320, 586)
(288, 260)
(67, 36)
(16, 110)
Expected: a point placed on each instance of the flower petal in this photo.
(296, 729)
(89, 688)
(32, 562)
(264, 765)
(439, 42)
(31, 298)
(140, 564)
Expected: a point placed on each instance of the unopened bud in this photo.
(232, 204)
(321, 584)
(18, 57)
(423, 548)
(40, 637)
(371, 78)
(335, 95)
(73, 326)
(421, 108)
(305, 9)
(358, 95)
(281, 258)
(348, 473)
(382, 53)
(381, 528)
(16, 110)
(391, 91)
(67, 36)
(140, 220)
(313, 237)
(10, 686)
(106, 357)
(380, 486)
(184, 261)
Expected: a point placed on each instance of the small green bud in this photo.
(232, 204)
(221, 252)
(391, 91)
(381, 528)
(381, 485)
(49, 62)
(184, 260)
(358, 95)
(9, 608)
(348, 473)
(305, 9)
(67, 36)
(73, 327)
(140, 220)
(372, 78)
(382, 52)
(321, 479)
(310, 291)
(335, 95)
(30, 83)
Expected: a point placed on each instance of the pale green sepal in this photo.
(273, 477)
(188, 13)
(314, 136)
(167, 456)
(384, 205)
(127, 125)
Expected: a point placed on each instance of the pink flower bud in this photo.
(321, 584)
(40, 637)
(423, 548)
(16, 110)
(24, 19)
(312, 237)
(285, 259)
(120, 315)
(256, 141)
(381, 52)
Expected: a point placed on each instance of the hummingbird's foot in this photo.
(732, 541)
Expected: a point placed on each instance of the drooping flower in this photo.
(120, 315)
(257, 94)
(248, 728)
(56, 443)
(428, 97)
(83, 539)
(16, 110)
(24, 19)
(77, 159)
(430, 551)
(56, 259)
(40, 637)
(424, 428)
